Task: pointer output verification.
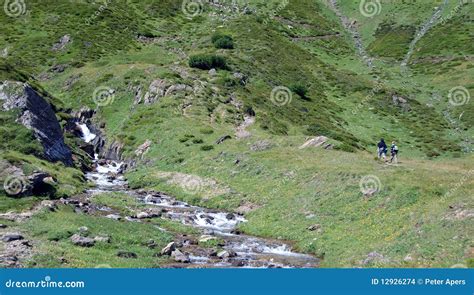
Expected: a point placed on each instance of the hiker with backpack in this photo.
(394, 152)
(382, 149)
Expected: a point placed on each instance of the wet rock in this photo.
(168, 249)
(10, 237)
(226, 254)
(230, 216)
(143, 215)
(180, 256)
(238, 263)
(126, 254)
(82, 241)
(223, 138)
(3, 225)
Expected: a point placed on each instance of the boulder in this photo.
(168, 249)
(226, 254)
(315, 142)
(82, 241)
(37, 114)
(212, 72)
(114, 217)
(3, 225)
(63, 41)
(143, 149)
(180, 256)
(10, 237)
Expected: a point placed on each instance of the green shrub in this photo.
(207, 62)
(207, 147)
(300, 89)
(223, 41)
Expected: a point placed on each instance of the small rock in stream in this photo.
(168, 250)
(180, 256)
(226, 254)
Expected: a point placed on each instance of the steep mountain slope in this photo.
(168, 80)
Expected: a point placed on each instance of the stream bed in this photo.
(238, 250)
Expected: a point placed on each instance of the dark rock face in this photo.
(38, 115)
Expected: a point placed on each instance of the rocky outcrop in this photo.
(38, 115)
(158, 88)
(63, 41)
(319, 141)
(401, 102)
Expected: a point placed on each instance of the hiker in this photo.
(382, 149)
(394, 152)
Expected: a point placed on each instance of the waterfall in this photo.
(87, 136)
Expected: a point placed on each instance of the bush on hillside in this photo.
(222, 41)
(207, 62)
(301, 90)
